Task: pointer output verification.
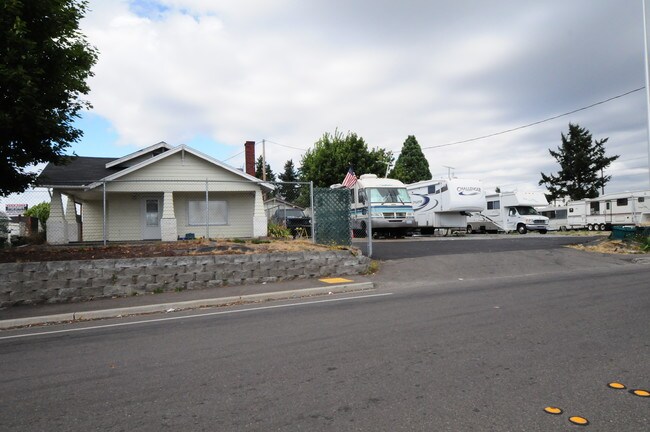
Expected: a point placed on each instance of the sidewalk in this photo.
(24, 315)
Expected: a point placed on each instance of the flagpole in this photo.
(647, 80)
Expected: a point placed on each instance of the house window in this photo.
(217, 213)
(493, 205)
(621, 202)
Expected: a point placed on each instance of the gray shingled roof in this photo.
(80, 171)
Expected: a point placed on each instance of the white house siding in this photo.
(240, 214)
(186, 178)
(91, 217)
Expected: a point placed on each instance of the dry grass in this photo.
(611, 247)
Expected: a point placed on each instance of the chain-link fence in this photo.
(171, 210)
(23, 217)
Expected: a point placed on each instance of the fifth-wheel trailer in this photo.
(445, 203)
(603, 212)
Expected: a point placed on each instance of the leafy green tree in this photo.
(45, 62)
(290, 192)
(411, 165)
(582, 161)
(40, 211)
(327, 162)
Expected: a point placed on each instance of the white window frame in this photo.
(196, 212)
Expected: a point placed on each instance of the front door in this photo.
(151, 214)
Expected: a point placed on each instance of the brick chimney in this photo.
(249, 148)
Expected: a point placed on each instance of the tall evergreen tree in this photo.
(411, 165)
(290, 192)
(44, 64)
(270, 176)
(582, 161)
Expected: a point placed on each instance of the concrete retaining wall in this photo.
(71, 281)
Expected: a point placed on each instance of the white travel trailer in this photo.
(510, 211)
(390, 207)
(445, 203)
(557, 217)
(603, 212)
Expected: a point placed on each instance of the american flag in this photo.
(350, 179)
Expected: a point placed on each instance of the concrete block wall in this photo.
(73, 281)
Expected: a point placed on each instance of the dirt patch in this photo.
(611, 247)
(32, 253)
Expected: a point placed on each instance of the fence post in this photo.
(207, 211)
(313, 212)
(104, 233)
(369, 230)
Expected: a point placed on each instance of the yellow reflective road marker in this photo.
(334, 280)
(553, 410)
(640, 393)
(581, 421)
(616, 386)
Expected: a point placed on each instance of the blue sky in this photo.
(213, 75)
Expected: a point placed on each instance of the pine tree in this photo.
(270, 176)
(411, 165)
(582, 161)
(290, 192)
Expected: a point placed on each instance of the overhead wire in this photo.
(537, 122)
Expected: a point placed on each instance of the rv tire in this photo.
(590, 227)
(603, 227)
(542, 231)
(521, 229)
(469, 229)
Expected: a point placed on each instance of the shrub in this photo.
(279, 231)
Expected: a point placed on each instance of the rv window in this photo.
(444, 188)
(594, 207)
(431, 189)
(389, 195)
(621, 202)
(362, 199)
(608, 205)
(493, 205)
(560, 214)
(549, 214)
(512, 212)
(641, 199)
(571, 210)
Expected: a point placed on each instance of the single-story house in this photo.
(161, 192)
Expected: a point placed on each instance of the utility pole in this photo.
(263, 160)
(647, 80)
(449, 168)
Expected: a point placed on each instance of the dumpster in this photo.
(625, 232)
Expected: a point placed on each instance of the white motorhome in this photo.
(390, 206)
(603, 212)
(510, 211)
(445, 203)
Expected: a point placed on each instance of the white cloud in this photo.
(289, 71)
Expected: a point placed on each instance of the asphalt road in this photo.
(413, 247)
(434, 349)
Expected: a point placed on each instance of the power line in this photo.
(537, 122)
